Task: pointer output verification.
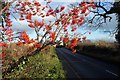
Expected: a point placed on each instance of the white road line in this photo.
(111, 72)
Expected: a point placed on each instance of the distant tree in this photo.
(117, 36)
(105, 14)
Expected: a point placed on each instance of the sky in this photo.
(100, 34)
(96, 35)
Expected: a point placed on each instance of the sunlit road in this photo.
(83, 67)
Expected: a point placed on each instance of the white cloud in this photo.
(21, 25)
(100, 36)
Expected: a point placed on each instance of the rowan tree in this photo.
(62, 28)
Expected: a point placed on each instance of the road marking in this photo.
(111, 72)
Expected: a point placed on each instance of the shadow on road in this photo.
(82, 67)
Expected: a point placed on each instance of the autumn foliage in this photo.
(65, 23)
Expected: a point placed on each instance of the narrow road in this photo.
(86, 68)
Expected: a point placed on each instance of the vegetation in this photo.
(42, 65)
(105, 14)
(21, 60)
(16, 58)
(118, 36)
(65, 20)
(13, 54)
(105, 51)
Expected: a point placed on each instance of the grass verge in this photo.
(43, 65)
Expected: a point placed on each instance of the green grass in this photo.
(43, 65)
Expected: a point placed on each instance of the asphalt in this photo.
(78, 66)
